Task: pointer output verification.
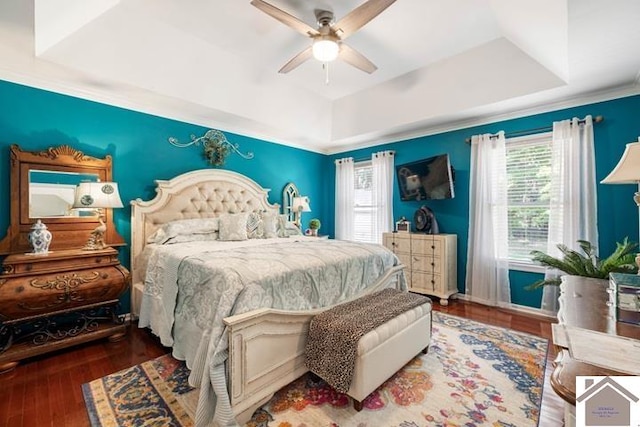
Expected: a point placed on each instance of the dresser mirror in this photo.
(43, 186)
(51, 193)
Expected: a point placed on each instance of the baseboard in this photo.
(515, 307)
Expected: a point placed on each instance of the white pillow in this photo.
(287, 228)
(184, 227)
(193, 238)
(270, 225)
(291, 229)
(233, 227)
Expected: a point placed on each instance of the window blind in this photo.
(528, 180)
(363, 202)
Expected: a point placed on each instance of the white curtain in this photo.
(487, 279)
(344, 198)
(572, 212)
(382, 186)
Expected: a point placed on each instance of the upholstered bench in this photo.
(383, 351)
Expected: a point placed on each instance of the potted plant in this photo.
(314, 225)
(586, 264)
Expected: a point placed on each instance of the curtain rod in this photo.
(368, 159)
(596, 119)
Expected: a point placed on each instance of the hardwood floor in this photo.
(46, 391)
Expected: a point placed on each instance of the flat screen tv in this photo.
(426, 179)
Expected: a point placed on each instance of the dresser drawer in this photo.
(56, 261)
(40, 266)
(23, 297)
(427, 282)
(427, 264)
(427, 245)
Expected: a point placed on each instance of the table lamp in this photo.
(97, 196)
(300, 204)
(627, 171)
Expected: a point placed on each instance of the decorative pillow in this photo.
(184, 227)
(287, 228)
(291, 229)
(270, 225)
(193, 238)
(255, 227)
(233, 227)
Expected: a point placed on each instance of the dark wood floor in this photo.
(45, 391)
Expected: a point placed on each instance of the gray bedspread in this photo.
(191, 287)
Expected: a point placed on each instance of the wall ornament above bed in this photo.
(216, 146)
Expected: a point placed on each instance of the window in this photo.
(363, 203)
(528, 180)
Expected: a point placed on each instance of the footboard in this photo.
(266, 350)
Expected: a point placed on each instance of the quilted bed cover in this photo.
(191, 287)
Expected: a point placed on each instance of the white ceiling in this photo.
(442, 64)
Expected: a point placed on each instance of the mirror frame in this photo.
(288, 193)
(67, 232)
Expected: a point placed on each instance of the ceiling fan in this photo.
(328, 38)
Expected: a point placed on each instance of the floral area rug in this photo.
(474, 375)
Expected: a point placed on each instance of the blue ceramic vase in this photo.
(40, 238)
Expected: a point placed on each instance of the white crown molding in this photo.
(569, 102)
(161, 109)
(87, 93)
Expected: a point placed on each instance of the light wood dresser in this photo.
(430, 262)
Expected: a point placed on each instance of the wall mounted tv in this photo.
(426, 179)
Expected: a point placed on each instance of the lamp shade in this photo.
(627, 171)
(97, 195)
(301, 204)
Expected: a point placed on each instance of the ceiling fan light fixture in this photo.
(325, 49)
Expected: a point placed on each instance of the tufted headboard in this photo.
(206, 193)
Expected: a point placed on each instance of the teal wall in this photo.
(36, 119)
(617, 213)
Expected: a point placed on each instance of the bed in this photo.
(243, 350)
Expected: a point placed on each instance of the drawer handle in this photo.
(433, 247)
(416, 259)
(433, 282)
(98, 260)
(433, 264)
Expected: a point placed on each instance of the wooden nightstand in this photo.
(59, 299)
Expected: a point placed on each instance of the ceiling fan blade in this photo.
(355, 58)
(359, 16)
(297, 60)
(285, 18)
